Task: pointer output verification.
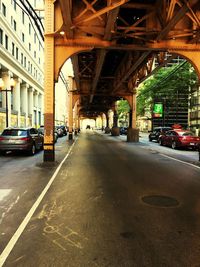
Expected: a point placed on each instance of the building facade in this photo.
(21, 59)
(194, 109)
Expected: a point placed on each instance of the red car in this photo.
(179, 138)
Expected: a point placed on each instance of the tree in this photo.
(166, 83)
(123, 109)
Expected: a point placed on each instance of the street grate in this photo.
(160, 201)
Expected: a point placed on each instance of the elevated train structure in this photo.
(112, 45)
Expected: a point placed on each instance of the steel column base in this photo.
(115, 131)
(107, 130)
(133, 135)
(70, 136)
(49, 155)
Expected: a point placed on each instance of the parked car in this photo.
(21, 139)
(157, 132)
(123, 130)
(179, 138)
(64, 128)
(59, 131)
(41, 131)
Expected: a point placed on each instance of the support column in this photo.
(36, 96)
(6, 96)
(24, 102)
(70, 108)
(79, 124)
(133, 132)
(107, 128)
(39, 109)
(30, 105)
(42, 109)
(16, 99)
(115, 128)
(76, 119)
(49, 153)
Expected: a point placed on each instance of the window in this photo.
(23, 37)
(39, 117)
(22, 58)
(28, 65)
(17, 53)
(29, 26)
(15, 25)
(6, 40)
(23, 17)
(33, 131)
(15, 5)
(4, 9)
(35, 117)
(34, 54)
(1, 36)
(13, 49)
(35, 38)
(25, 62)
(29, 46)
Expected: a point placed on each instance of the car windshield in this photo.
(14, 132)
(187, 134)
(41, 130)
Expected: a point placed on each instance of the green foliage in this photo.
(123, 109)
(123, 106)
(166, 83)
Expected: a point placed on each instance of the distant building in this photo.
(194, 109)
(21, 58)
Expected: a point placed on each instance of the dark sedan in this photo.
(179, 138)
(157, 132)
(21, 139)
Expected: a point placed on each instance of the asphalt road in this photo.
(112, 203)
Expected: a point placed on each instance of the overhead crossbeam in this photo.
(129, 71)
(111, 19)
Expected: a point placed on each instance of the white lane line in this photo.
(26, 220)
(184, 162)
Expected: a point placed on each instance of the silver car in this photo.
(21, 139)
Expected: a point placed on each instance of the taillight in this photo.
(24, 139)
(180, 137)
(2, 138)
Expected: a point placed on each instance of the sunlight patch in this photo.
(4, 193)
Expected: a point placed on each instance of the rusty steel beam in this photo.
(100, 60)
(66, 7)
(101, 12)
(180, 14)
(132, 69)
(74, 60)
(112, 16)
(138, 6)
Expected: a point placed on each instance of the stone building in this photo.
(21, 60)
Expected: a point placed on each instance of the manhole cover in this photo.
(160, 201)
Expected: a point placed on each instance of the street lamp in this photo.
(12, 83)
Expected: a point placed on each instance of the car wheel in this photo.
(42, 146)
(33, 150)
(174, 145)
(150, 140)
(160, 142)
